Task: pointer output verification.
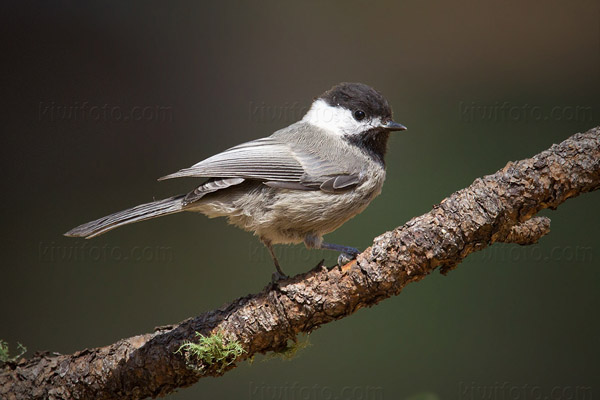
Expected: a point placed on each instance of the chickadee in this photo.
(294, 186)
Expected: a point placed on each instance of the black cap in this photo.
(358, 96)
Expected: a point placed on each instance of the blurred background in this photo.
(100, 100)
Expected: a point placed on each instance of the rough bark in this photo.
(496, 208)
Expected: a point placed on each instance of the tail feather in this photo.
(139, 213)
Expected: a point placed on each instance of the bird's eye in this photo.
(359, 115)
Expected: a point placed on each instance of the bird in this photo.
(300, 183)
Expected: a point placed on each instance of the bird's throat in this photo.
(373, 142)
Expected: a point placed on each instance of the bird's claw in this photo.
(277, 276)
(347, 256)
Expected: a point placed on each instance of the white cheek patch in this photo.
(337, 120)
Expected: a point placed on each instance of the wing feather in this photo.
(339, 183)
(264, 158)
(210, 186)
(279, 164)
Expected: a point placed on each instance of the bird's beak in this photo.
(393, 126)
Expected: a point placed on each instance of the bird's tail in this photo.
(139, 213)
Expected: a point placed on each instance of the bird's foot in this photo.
(277, 276)
(347, 255)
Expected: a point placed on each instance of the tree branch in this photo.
(496, 208)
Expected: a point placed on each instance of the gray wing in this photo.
(275, 163)
(328, 184)
(210, 186)
(264, 158)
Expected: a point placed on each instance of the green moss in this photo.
(5, 353)
(291, 349)
(211, 352)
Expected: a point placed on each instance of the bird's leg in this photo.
(278, 275)
(347, 253)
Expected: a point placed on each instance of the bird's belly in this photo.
(287, 216)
